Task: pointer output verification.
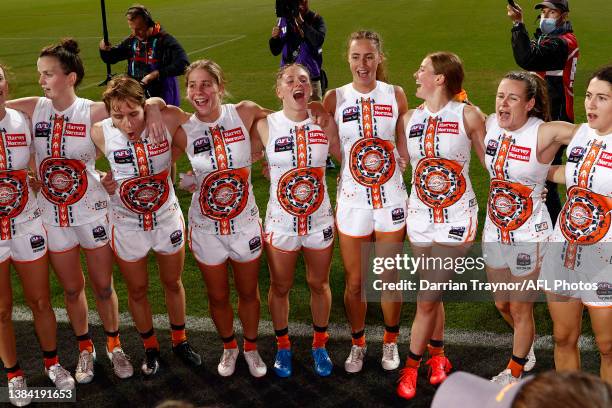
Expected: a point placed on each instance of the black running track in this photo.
(202, 386)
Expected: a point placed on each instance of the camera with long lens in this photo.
(288, 9)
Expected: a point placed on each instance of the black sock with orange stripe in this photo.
(50, 358)
(282, 339)
(414, 360)
(14, 371)
(85, 342)
(516, 365)
(319, 337)
(391, 334)
(436, 348)
(358, 338)
(149, 340)
(229, 342)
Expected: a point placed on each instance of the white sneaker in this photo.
(120, 363)
(505, 378)
(354, 362)
(84, 373)
(390, 356)
(60, 377)
(18, 395)
(531, 360)
(256, 365)
(227, 365)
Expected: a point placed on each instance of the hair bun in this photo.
(70, 45)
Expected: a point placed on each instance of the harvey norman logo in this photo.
(519, 153)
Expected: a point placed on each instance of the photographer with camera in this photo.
(299, 36)
(155, 58)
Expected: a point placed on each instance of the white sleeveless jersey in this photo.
(369, 177)
(584, 221)
(145, 198)
(588, 178)
(17, 200)
(439, 150)
(515, 210)
(220, 155)
(71, 192)
(296, 153)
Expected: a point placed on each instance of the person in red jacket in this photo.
(553, 53)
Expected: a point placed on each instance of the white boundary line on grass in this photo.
(337, 331)
(240, 37)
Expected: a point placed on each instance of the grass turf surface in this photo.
(235, 33)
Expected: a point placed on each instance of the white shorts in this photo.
(291, 243)
(28, 246)
(133, 245)
(89, 236)
(589, 281)
(211, 249)
(423, 233)
(362, 222)
(522, 258)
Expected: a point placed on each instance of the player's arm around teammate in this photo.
(145, 214)
(299, 215)
(371, 193)
(72, 201)
(520, 145)
(23, 243)
(224, 223)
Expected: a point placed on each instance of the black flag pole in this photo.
(106, 42)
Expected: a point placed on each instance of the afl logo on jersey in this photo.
(201, 145)
(576, 154)
(416, 130)
(350, 113)
(99, 233)
(254, 244)
(523, 259)
(37, 242)
(397, 214)
(123, 156)
(283, 144)
(604, 289)
(492, 147)
(176, 237)
(42, 129)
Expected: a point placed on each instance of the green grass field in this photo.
(235, 34)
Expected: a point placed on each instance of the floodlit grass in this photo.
(235, 34)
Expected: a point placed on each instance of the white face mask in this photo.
(548, 25)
